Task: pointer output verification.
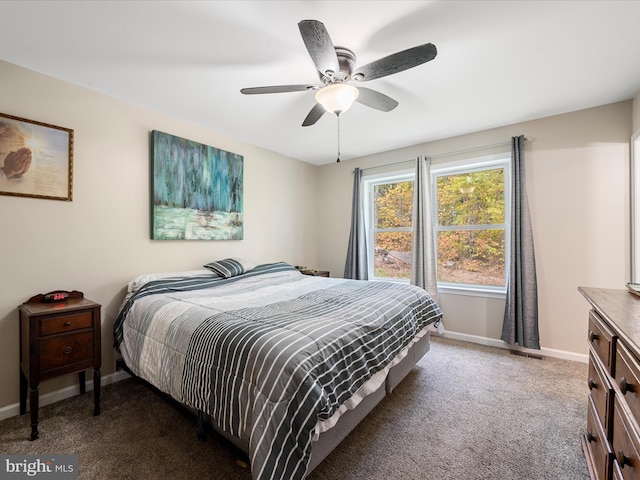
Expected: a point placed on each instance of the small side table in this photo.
(315, 273)
(58, 339)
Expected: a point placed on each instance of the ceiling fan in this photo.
(335, 67)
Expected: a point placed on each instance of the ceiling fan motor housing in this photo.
(346, 62)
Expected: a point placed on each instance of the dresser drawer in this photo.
(66, 323)
(628, 378)
(625, 443)
(603, 341)
(601, 392)
(65, 350)
(597, 444)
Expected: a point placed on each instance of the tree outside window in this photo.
(470, 230)
(393, 207)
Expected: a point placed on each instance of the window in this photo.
(471, 219)
(389, 207)
(471, 224)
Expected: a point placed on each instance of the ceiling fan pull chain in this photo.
(338, 115)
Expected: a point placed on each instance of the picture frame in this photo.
(36, 159)
(196, 190)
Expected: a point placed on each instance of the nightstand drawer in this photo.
(65, 350)
(66, 323)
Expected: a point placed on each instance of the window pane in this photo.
(473, 257)
(393, 204)
(473, 198)
(392, 255)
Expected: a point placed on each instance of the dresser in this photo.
(58, 339)
(611, 441)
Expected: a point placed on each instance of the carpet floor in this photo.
(465, 412)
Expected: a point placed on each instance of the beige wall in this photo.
(578, 183)
(100, 240)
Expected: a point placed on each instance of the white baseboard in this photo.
(493, 342)
(68, 392)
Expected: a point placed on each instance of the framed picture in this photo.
(197, 190)
(36, 159)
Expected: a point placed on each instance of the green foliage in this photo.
(393, 209)
(471, 199)
(467, 200)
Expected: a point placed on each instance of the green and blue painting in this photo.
(197, 190)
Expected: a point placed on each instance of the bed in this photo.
(282, 364)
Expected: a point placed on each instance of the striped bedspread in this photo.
(270, 352)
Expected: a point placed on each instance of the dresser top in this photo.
(620, 309)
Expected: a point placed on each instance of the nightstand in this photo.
(58, 339)
(315, 273)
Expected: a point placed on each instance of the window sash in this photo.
(370, 183)
(495, 162)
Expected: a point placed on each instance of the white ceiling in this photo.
(498, 63)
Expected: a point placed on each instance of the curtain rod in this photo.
(447, 154)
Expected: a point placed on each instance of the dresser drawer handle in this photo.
(590, 437)
(592, 384)
(67, 350)
(593, 336)
(622, 459)
(67, 323)
(625, 386)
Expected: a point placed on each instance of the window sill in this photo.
(466, 290)
(473, 292)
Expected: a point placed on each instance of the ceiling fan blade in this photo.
(396, 62)
(278, 89)
(314, 115)
(377, 100)
(320, 47)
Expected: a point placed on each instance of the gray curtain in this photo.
(356, 266)
(521, 310)
(423, 265)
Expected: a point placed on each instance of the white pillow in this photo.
(136, 283)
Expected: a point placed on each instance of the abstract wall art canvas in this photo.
(197, 190)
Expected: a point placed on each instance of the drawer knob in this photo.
(622, 459)
(590, 437)
(626, 386)
(592, 384)
(593, 336)
(67, 350)
(67, 323)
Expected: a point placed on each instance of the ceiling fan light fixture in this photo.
(337, 97)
